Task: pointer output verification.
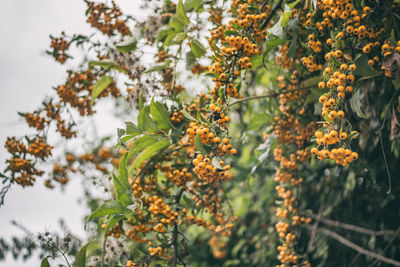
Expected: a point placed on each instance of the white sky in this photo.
(26, 76)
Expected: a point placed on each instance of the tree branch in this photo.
(353, 246)
(278, 5)
(268, 95)
(175, 234)
(387, 246)
(351, 227)
(314, 231)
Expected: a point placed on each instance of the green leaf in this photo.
(270, 45)
(199, 145)
(163, 32)
(80, 259)
(396, 84)
(326, 118)
(179, 38)
(149, 152)
(277, 29)
(105, 64)
(191, 4)
(160, 66)
(364, 69)
(160, 115)
(112, 221)
(181, 14)
(141, 102)
(127, 45)
(140, 144)
(285, 18)
(123, 172)
(108, 208)
(188, 116)
(45, 263)
(231, 33)
(100, 86)
(122, 192)
(268, 146)
(353, 135)
(355, 104)
(176, 24)
(258, 121)
(131, 129)
(197, 48)
(292, 5)
(145, 122)
(256, 60)
(190, 60)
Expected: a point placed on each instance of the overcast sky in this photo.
(26, 76)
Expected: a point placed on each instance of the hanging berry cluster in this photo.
(234, 44)
(28, 151)
(106, 19)
(60, 46)
(341, 64)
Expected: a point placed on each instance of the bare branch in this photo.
(387, 246)
(353, 246)
(351, 227)
(269, 95)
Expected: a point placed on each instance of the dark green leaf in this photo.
(112, 221)
(131, 129)
(355, 103)
(145, 122)
(176, 24)
(292, 5)
(80, 259)
(120, 132)
(258, 121)
(190, 60)
(199, 145)
(364, 69)
(149, 152)
(163, 32)
(160, 115)
(188, 116)
(122, 192)
(197, 48)
(108, 208)
(45, 263)
(231, 33)
(123, 172)
(100, 86)
(140, 144)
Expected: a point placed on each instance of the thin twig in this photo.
(314, 231)
(278, 5)
(63, 254)
(268, 95)
(381, 141)
(103, 251)
(387, 246)
(175, 234)
(351, 227)
(353, 246)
